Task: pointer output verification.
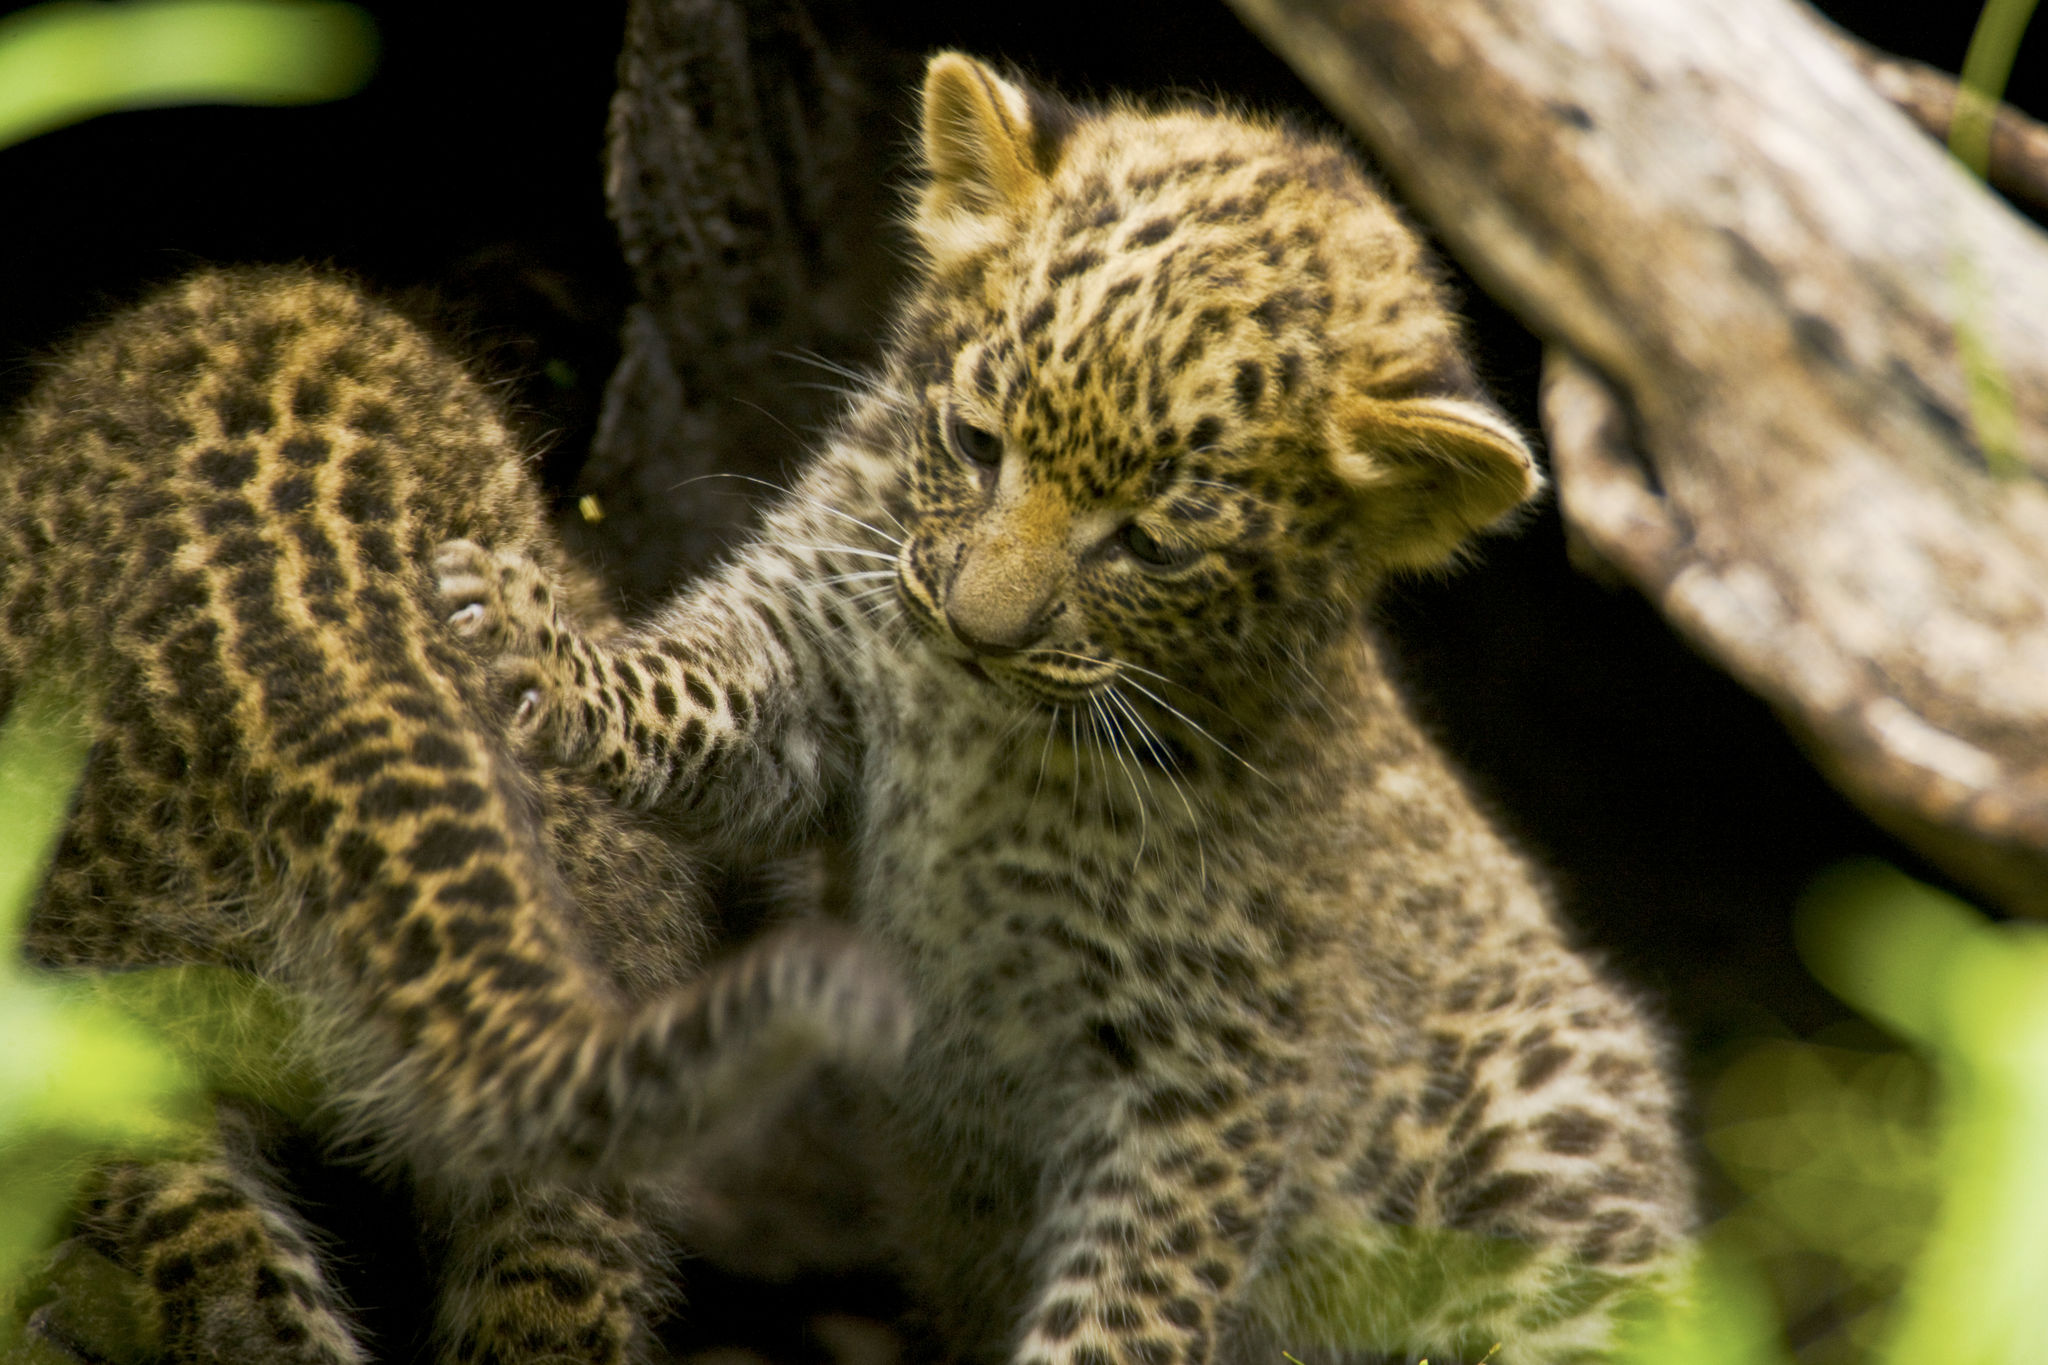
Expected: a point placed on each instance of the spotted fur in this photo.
(1242, 1029)
(214, 521)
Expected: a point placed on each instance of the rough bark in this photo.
(1753, 268)
(746, 174)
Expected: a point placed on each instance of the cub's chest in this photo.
(970, 798)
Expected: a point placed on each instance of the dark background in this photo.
(1680, 822)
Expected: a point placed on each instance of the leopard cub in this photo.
(1242, 1030)
(215, 518)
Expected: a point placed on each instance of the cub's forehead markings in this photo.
(1121, 290)
(1149, 234)
(983, 373)
(1036, 320)
(1072, 264)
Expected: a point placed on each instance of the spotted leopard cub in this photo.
(215, 517)
(1242, 1030)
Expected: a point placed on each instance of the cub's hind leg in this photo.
(547, 1273)
(224, 1268)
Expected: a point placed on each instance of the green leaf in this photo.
(60, 63)
(43, 746)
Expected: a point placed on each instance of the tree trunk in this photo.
(745, 171)
(1759, 281)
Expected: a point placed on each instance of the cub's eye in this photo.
(1146, 549)
(975, 445)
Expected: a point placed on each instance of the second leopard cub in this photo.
(1242, 1030)
(215, 512)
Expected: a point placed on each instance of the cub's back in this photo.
(212, 517)
(243, 438)
(217, 516)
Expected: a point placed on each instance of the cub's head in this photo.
(1186, 391)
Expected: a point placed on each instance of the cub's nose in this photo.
(996, 634)
(1007, 581)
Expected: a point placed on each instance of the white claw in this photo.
(467, 620)
(529, 702)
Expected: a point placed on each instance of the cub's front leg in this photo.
(1150, 1231)
(717, 711)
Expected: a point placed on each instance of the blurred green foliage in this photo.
(1896, 1201)
(104, 1063)
(63, 62)
(77, 1075)
(1973, 998)
(1833, 1148)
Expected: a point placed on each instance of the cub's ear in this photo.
(987, 146)
(1429, 473)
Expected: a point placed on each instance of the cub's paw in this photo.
(499, 601)
(503, 606)
(92, 1314)
(743, 1038)
(822, 991)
